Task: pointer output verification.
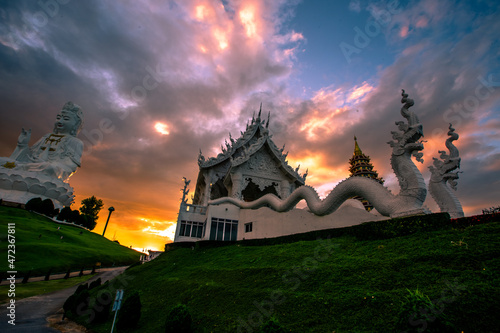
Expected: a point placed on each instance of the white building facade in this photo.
(247, 169)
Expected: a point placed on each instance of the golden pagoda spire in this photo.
(357, 150)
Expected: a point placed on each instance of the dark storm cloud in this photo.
(198, 70)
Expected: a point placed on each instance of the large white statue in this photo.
(56, 154)
(44, 168)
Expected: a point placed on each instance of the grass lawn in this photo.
(40, 245)
(40, 287)
(337, 285)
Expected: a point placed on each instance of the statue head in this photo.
(69, 120)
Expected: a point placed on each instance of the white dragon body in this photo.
(442, 174)
(405, 144)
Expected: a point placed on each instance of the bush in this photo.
(81, 288)
(69, 305)
(47, 208)
(64, 214)
(77, 303)
(130, 312)
(468, 221)
(95, 283)
(81, 305)
(74, 216)
(34, 205)
(272, 326)
(179, 320)
(102, 306)
(418, 313)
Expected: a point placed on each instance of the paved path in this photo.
(31, 313)
(54, 276)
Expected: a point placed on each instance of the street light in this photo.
(111, 210)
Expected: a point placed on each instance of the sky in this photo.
(160, 80)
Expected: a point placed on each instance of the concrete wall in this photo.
(267, 223)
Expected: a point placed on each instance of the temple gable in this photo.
(247, 168)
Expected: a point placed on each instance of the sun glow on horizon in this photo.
(168, 232)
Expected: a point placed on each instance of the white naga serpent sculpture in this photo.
(442, 173)
(405, 144)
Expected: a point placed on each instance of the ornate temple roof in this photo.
(251, 141)
(360, 164)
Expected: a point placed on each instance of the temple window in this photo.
(248, 227)
(191, 229)
(223, 229)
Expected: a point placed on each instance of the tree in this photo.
(179, 320)
(47, 208)
(34, 204)
(130, 313)
(91, 207)
(64, 214)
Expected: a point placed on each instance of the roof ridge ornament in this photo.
(268, 116)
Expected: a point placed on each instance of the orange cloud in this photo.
(322, 176)
(359, 92)
(221, 38)
(248, 19)
(404, 31)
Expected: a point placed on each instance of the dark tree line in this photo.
(87, 215)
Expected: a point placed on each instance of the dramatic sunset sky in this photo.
(160, 80)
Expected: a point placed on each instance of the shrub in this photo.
(179, 320)
(75, 214)
(130, 312)
(81, 288)
(69, 305)
(95, 283)
(86, 221)
(78, 301)
(34, 205)
(418, 313)
(272, 326)
(102, 306)
(47, 208)
(64, 214)
(81, 304)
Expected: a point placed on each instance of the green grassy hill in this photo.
(39, 246)
(341, 284)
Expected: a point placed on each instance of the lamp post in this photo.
(111, 210)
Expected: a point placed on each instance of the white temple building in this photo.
(250, 192)
(247, 169)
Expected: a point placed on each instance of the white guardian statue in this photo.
(43, 169)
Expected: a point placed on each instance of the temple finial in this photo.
(357, 150)
(260, 110)
(268, 116)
